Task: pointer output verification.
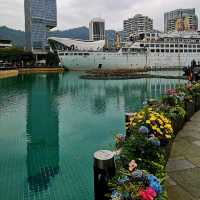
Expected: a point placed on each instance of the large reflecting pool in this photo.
(51, 124)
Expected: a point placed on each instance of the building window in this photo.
(157, 45)
(194, 46)
(124, 50)
(194, 50)
(172, 45)
(167, 45)
(167, 50)
(181, 46)
(190, 51)
(162, 50)
(152, 50)
(176, 45)
(152, 45)
(176, 50)
(157, 50)
(198, 50)
(185, 50)
(185, 45)
(171, 50)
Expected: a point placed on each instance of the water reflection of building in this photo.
(42, 133)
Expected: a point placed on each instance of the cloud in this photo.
(73, 13)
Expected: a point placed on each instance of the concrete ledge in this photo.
(8, 73)
(41, 70)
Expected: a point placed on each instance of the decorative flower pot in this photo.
(177, 125)
(197, 103)
(190, 109)
(166, 149)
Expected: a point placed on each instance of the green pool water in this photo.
(51, 124)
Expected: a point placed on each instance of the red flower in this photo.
(148, 194)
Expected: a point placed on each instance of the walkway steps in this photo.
(183, 168)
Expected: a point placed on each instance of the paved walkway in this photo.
(183, 168)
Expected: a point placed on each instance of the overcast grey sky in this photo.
(74, 13)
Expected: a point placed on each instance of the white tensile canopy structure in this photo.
(80, 45)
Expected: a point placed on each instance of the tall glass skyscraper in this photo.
(40, 17)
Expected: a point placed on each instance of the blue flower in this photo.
(155, 141)
(123, 180)
(116, 195)
(154, 183)
(138, 174)
(144, 130)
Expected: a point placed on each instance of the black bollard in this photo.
(104, 170)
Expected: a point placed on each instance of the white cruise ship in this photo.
(176, 49)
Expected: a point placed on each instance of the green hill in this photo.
(18, 37)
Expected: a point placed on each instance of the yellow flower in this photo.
(168, 136)
(133, 124)
(152, 119)
(167, 126)
(154, 128)
(160, 121)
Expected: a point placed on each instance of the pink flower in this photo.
(119, 139)
(132, 166)
(148, 194)
(171, 92)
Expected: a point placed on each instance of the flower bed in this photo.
(145, 149)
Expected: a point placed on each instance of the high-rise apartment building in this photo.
(40, 17)
(138, 24)
(97, 29)
(181, 20)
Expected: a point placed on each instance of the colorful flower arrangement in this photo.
(153, 122)
(143, 155)
(159, 125)
(148, 186)
(136, 118)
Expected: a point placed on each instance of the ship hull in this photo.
(95, 60)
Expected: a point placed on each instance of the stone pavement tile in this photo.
(194, 160)
(177, 193)
(193, 150)
(196, 117)
(179, 148)
(188, 180)
(183, 147)
(187, 138)
(176, 165)
(192, 133)
(197, 142)
(169, 182)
